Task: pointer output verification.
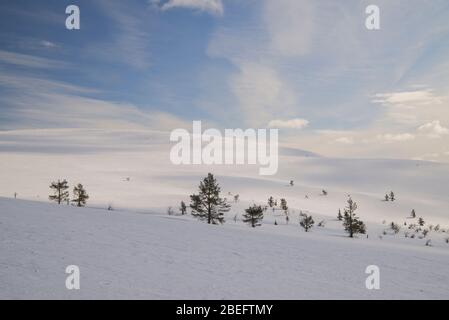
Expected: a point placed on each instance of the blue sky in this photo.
(310, 68)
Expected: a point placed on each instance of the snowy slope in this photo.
(103, 160)
(137, 251)
(134, 255)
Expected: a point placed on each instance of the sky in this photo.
(310, 68)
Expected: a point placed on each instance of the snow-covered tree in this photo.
(253, 216)
(270, 202)
(351, 222)
(413, 213)
(387, 197)
(80, 195)
(392, 196)
(207, 204)
(284, 204)
(306, 221)
(395, 227)
(339, 215)
(60, 191)
(183, 208)
(421, 221)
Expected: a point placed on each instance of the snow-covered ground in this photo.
(130, 255)
(138, 251)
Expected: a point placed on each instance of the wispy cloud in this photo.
(412, 107)
(407, 99)
(401, 137)
(345, 140)
(29, 61)
(289, 124)
(214, 7)
(281, 18)
(32, 102)
(48, 44)
(131, 41)
(261, 93)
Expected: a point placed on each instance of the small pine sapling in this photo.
(306, 221)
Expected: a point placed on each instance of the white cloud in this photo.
(345, 140)
(24, 60)
(289, 124)
(409, 107)
(433, 129)
(401, 137)
(212, 6)
(48, 44)
(407, 99)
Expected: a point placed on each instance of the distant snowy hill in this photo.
(138, 251)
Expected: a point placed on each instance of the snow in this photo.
(151, 256)
(137, 251)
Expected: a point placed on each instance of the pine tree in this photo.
(292, 183)
(395, 227)
(60, 191)
(339, 216)
(207, 204)
(413, 214)
(253, 216)
(392, 198)
(270, 202)
(387, 197)
(351, 222)
(284, 204)
(421, 221)
(183, 208)
(306, 221)
(80, 195)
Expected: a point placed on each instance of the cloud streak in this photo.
(29, 61)
(289, 124)
(214, 7)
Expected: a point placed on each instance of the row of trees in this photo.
(61, 193)
(207, 205)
